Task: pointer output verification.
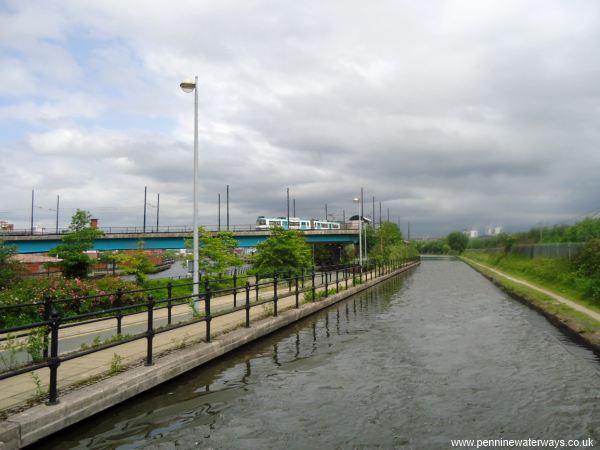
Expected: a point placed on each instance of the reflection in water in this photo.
(436, 355)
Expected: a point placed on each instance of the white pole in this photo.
(195, 277)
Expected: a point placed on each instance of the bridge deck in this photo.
(41, 243)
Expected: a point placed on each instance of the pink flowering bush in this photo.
(72, 296)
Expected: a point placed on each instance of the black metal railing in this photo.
(311, 283)
(153, 229)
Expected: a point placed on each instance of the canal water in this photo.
(433, 355)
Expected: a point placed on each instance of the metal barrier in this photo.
(553, 250)
(150, 229)
(52, 321)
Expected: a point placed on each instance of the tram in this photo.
(296, 223)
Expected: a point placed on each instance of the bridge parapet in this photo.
(42, 243)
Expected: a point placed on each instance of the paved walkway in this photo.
(19, 389)
(591, 313)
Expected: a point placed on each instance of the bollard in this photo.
(208, 318)
(150, 331)
(54, 360)
(247, 304)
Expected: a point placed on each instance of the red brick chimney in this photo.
(93, 223)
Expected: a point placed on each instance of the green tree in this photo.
(216, 252)
(349, 253)
(587, 259)
(10, 268)
(433, 247)
(75, 262)
(386, 238)
(457, 241)
(284, 252)
(137, 263)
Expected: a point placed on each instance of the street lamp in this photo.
(357, 200)
(189, 86)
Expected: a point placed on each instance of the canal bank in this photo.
(40, 421)
(579, 322)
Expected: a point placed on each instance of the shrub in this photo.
(73, 290)
(587, 260)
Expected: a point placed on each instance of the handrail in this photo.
(55, 321)
(152, 229)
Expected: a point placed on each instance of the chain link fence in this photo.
(557, 250)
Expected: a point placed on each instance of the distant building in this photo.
(37, 263)
(5, 226)
(471, 233)
(493, 231)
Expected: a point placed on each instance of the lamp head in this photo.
(356, 199)
(187, 85)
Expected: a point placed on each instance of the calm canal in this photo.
(433, 355)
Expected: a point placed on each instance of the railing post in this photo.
(150, 331)
(47, 314)
(297, 292)
(235, 287)
(275, 295)
(360, 273)
(247, 304)
(256, 285)
(208, 318)
(118, 304)
(54, 361)
(337, 281)
(326, 285)
(346, 275)
(314, 298)
(169, 302)
(303, 278)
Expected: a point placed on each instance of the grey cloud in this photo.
(453, 114)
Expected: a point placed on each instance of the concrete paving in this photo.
(22, 388)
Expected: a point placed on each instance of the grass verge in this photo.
(554, 274)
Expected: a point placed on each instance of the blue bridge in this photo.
(169, 240)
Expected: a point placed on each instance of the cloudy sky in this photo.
(453, 114)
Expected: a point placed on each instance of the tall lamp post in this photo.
(189, 86)
(357, 200)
